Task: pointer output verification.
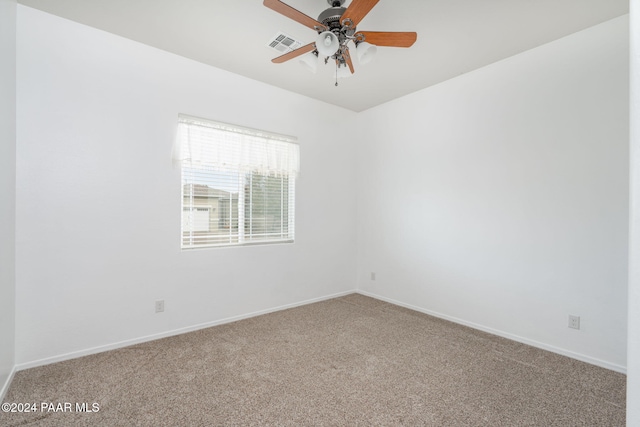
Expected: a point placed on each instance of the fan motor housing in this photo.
(331, 17)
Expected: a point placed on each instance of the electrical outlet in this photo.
(574, 322)
(373, 276)
(159, 306)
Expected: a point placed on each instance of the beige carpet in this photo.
(350, 361)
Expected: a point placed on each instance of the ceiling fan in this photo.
(336, 27)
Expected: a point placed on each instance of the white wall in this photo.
(633, 358)
(7, 188)
(98, 204)
(499, 199)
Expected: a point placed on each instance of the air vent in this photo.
(283, 43)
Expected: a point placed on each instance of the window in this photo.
(238, 184)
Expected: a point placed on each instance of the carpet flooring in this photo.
(349, 361)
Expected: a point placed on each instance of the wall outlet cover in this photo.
(574, 322)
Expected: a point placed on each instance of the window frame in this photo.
(243, 233)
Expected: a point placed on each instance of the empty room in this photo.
(319, 212)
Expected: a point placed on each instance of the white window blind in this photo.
(238, 184)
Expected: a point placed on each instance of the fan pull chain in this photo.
(336, 73)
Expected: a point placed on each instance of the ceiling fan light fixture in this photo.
(327, 43)
(365, 52)
(310, 62)
(335, 28)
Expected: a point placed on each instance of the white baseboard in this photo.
(5, 387)
(127, 343)
(543, 346)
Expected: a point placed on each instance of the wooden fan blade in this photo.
(294, 14)
(384, 38)
(294, 53)
(357, 10)
(347, 59)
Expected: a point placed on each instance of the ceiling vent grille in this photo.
(283, 43)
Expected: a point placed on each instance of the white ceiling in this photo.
(454, 37)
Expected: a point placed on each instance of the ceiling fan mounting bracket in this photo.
(347, 22)
(334, 3)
